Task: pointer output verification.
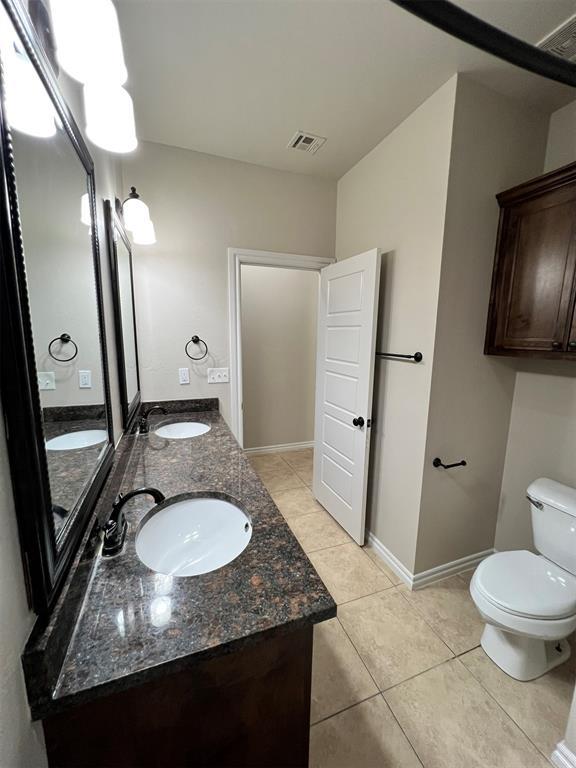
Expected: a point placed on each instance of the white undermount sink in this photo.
(193, 536)
(74, 440)
(178, 430)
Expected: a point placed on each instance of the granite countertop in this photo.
(136, 625)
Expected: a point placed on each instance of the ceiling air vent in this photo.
(562, 41)
(306, 142)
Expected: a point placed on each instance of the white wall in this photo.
(201, 205)
(395, 199)
(542, 437)
(21, 743)
(496, 144)
(279, 312)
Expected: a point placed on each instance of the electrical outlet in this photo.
(218, 376)
(46, 380)
(184, 375)
(85, 379)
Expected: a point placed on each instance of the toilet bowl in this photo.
(528, 601)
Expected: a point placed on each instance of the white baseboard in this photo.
(280, 448)
(563, 757)
(422, 579)
(391, 560)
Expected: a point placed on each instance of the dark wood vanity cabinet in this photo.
(532, 303)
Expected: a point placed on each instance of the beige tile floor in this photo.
(399, 679)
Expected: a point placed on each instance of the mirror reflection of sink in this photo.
(73, 440)
(181, 429)
(189, 537)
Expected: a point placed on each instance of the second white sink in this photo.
(193, 536)
(179, 430)
(71, 441)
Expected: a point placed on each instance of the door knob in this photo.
(572, 344)
(556, 345)
(358, 422)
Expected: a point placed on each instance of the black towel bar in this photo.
(417, 356)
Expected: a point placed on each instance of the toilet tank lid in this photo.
(553, 494)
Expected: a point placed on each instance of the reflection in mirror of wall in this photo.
(51, 183)
(120, 254)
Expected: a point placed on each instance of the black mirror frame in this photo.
(45, 565)
(114, 224)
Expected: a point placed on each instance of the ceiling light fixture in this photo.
(88, 41)
(110, 118)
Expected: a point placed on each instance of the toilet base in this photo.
(523, 658)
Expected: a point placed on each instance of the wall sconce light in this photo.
(136, 215)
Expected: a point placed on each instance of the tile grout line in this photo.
(344, 709)
(501, 706)
(380, 692)
(420, 760)
(428, 624)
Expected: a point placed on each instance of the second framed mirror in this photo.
(120, 254)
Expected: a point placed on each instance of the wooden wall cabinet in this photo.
(532, 303)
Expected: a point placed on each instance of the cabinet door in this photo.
(536, 273)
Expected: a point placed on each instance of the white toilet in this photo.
(528, 601)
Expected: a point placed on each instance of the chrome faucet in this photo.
(116, 527)
(143, 425)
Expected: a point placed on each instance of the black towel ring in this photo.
(64, 338)
(196, 340)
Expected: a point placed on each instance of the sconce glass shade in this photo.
(145, 234)
(110, 118)
(135, 212)
(28, 106)
(88, 42)
(85, 217)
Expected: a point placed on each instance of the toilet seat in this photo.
(526, 585)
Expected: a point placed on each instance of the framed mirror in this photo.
(55, 387)
(120, 254)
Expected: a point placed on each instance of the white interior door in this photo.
(347, 315)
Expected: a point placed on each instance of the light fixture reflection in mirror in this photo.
(28, 106)
(110, 117)
(85, 217)
(82, 54)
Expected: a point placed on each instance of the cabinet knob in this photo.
(572, 345)
(556, 345)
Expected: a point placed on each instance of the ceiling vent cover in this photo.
(562, 42)
(306, 142)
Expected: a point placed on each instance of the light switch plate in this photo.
(46, 380)
(85, 379)
(218, 375)
(184, 375)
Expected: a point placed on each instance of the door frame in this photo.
(236, 258)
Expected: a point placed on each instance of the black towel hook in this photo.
(64, 338)
(196, 340)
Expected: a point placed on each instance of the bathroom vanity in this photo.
(141, 668)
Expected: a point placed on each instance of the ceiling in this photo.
(238, 78)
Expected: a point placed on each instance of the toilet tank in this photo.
(553, 508)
